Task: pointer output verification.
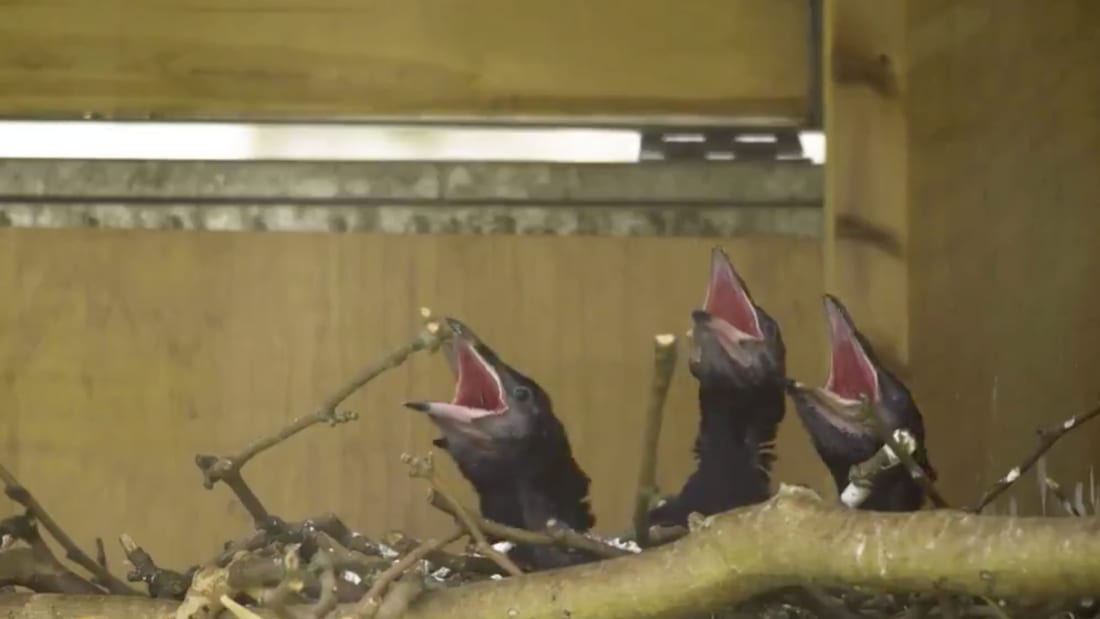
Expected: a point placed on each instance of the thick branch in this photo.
(1047, 438)
(664, 364)
(737, 555)
(18, 493)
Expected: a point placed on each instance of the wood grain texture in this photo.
(355, 58)
(866, 176)
(1004, 153)
(125, 353)
(960, 212)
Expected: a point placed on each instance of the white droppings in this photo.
(1012, 476)
(496, 577)
(1069, 423)
(627, 545)
(503, 547)
(513, 612)
(387, 552)
(351, 577)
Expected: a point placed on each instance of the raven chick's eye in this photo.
(521, 393)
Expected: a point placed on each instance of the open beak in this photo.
(478, 389)
(729, 323)
(852, 374)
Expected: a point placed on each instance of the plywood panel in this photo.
(960, 202)
(125, 353)
(350, 58)
(1004, 150)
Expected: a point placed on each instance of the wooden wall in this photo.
(413, 58)
(125, 353)
(961, 192)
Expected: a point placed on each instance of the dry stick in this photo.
(18, 493)
(400, 595)
(664, 364)
(1047, 438)
(872, 414)
(161, 583)
(368, 606)
(322, 560)
(559, 534)
(1055, 488)
(462, 564)
(861, 477)
(101, 553)
(36, 567)
(228, 469)
(293, 581)
(423, 467)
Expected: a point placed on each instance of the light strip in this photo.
(304, 142)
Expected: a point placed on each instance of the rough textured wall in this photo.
(1004, 162)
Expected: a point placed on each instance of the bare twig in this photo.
(322, 561)
(560, 536)
(101, 554)
(279, 598)
(1064, 501)
(161, 583)
(423, 468)
(227, 469)
(400, 595)
(344, 558)
(664, 364)
(462, 564)
(1047, 438)
(18, 493)
(35, 567)
(331, 525)
(238, 611)
(370, 603)
(658, 535)
(556, 533)
(874, 418)
(861, 477)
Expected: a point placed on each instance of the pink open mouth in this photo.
(851, 374)
(733, 316)
(478, 389)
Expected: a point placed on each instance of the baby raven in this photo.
(833, 415)
(501, 431)
(739, 359)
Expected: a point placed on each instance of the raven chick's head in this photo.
(495, 409)
(835, 415)
(735, 343)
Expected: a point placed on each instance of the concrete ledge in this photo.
(530, 219)
(729, 183)
(718, 199)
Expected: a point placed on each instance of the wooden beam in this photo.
(415, 58)
(866, 200)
